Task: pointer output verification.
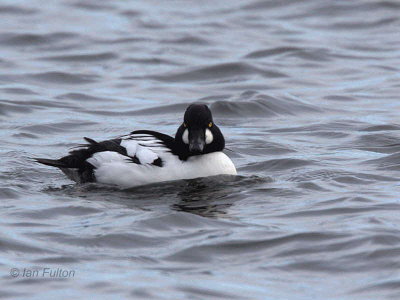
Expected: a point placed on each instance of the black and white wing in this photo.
(139, 148)
(147, 147)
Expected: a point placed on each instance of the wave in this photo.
(218, 72)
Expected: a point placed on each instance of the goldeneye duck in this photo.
(146, 156)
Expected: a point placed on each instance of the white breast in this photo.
(215, 163)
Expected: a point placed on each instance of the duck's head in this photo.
(198, 134)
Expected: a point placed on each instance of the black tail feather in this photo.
(51, 162)
(90, 141)
(76, 159)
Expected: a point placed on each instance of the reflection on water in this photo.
(306, 93)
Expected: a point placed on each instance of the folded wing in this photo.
(139, 148)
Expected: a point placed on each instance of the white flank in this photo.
(118, 171)
(100, 159)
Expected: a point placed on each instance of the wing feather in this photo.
(142, 147)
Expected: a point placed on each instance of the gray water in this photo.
(307, 96)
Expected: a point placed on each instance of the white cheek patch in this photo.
(209, 136)
(185, 136)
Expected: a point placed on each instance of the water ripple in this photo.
(306, 94)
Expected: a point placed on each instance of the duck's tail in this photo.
(51, 162)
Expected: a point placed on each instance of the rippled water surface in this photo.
(307, 95)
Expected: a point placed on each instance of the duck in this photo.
(147, 157)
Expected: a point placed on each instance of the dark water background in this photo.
(307, 95)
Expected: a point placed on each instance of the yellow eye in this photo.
(210, 124)
(184, 125)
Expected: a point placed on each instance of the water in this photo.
(306, 93)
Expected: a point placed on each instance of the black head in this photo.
(198, 134)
